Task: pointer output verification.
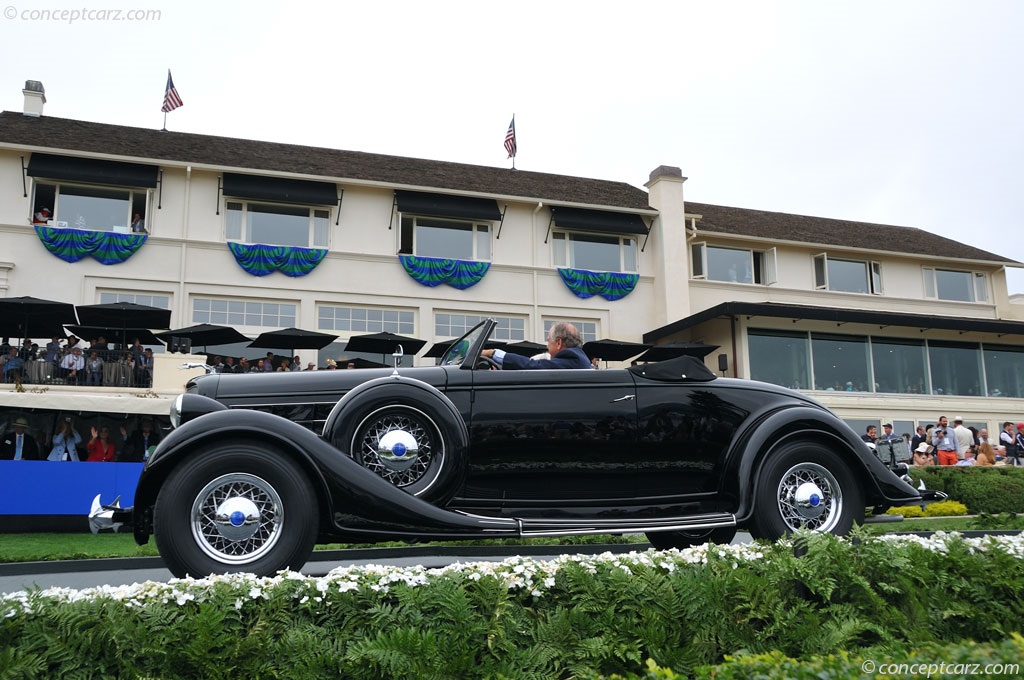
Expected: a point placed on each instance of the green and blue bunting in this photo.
(609, 285)
(106, 247)
(260, 259)
(433, 271)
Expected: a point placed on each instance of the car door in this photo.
(552, 437)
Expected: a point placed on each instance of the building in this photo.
(878, 322)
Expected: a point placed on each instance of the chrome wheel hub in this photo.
(398, 444)
(809, 497)
(237, 518)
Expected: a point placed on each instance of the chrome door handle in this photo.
(628, 397)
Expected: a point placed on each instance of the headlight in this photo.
(176, 407)
(188, 406)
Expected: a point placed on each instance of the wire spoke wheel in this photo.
(400, 444)
(237, 518)
(810, 497)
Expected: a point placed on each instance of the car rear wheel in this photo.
(236, 507)
(805, 486)
(665, 540)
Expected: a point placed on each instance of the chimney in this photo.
(35, 97)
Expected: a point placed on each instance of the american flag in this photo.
(171, 98)
(510, 139)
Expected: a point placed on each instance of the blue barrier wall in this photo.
(33, 487)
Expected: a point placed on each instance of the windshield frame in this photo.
(465, 351)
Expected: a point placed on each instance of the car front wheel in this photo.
(235, 507)
(805, 486)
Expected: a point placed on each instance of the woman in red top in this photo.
(101, 449)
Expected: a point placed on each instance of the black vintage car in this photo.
(259, 468)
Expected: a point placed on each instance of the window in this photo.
(900, 366)
(366, 320)
(587, 329)
(277, 224)
(454, 325)
(955, 368)
(956, 286)
(161, 301)
(847, 276)
(733, 265)
(243, 313)
(1004, 370)
(449, 239)
(779, 357)
(594, 252)
(840, 362)
(90, 207)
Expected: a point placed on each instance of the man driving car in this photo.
(563, 348)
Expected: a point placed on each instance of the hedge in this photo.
(992, 490)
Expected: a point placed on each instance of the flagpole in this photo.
(165, 121)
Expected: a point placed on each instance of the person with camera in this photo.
(944, 441)
(65, 442)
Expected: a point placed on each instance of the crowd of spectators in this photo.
(944, 444)
(95, 440)
(70, 361)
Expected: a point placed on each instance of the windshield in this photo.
(456, 354)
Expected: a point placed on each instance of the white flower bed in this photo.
(528, 574)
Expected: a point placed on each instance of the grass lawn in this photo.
(44, 547)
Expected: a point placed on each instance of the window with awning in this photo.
(280, 189)
(603, 221)
(92, 171)
(445, 205)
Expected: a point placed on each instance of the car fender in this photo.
(395, 390)
(808, 423)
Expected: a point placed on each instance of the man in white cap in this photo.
(19, 445)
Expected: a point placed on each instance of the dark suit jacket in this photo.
(134, 449)
(29, 448)
(570, 357)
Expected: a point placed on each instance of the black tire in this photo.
(665, 540)
(239, 481)
(409, 443)
(804, 485)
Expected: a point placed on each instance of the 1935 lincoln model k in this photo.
(260, 467)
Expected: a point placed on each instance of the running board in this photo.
(570, 527)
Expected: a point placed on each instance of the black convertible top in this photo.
(680, 369)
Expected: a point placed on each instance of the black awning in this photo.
(844, 316)
(280, 190)
(444, 205)
(598, 220)
(92, 171)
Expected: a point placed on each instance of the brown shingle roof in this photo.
(829, 232)
(76, 135)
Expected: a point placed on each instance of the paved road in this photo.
(91, 573)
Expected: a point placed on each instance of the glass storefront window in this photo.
(1004, 371)
(840, 363)
(899, 366)
(779, 357)
(955, 368)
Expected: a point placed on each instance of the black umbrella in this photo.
(206, 334)
(525, 348)
(90, 333)
(613, 350)
(120, 317)
(384, 343)
(30, 317)
(293, 339)
(677, 349)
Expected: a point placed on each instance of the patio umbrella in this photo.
(119, 317)
(677, 349)
(613, 350)
(90, 333)
(293, 339)
(206, 334)
(525, 348)
(384, 343)
(30, 317)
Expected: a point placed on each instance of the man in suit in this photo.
(563, 348)
(137, 444)
(19, 444)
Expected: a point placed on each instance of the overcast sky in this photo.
(905, 113)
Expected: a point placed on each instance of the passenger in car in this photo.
(563, 348)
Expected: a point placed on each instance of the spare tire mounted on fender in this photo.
(406, 432)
